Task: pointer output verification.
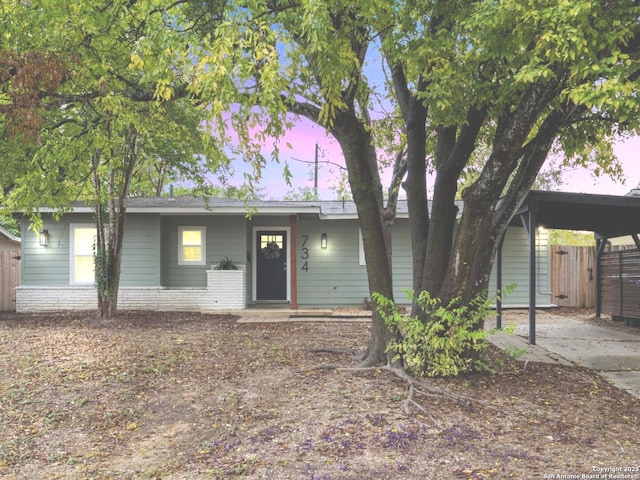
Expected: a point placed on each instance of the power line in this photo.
(316, 161)
(310, 162)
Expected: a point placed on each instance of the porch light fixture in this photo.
(43, 237)
(323, 241)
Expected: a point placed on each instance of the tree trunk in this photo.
(364, 180)
(414, 115)
(111, 240)
(416, 188)
(487, 212)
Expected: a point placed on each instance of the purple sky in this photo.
(305, 135)
(628, 152)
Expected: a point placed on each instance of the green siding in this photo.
(50, 266)
(225, 238)
(515, 268)
(334, 276)
(402, 261)
(326, 278)
(269, 221)
(141, 252)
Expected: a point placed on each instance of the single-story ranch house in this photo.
(291, 254)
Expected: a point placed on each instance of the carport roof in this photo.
(607, 215)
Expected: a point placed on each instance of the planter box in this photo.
(227, 289)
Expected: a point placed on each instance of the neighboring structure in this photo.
(627, 240)
(294, 254)
(9, 269)
(8, 241)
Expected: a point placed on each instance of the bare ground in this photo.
(190, 396)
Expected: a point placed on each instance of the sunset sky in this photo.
(628, 152)
(305, 135)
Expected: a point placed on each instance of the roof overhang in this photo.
(609, 216)
(324, 210)
(11, 237)
(180, 209)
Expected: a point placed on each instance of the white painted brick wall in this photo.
(43, 299)
(226, 290)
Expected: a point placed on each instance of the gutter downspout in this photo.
(532, 273)
(499, 284)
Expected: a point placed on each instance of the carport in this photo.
(608, 216)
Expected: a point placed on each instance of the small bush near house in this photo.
(226, 264)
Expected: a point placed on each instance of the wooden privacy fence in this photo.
(9, 280)
(573, 271)
(620, 283)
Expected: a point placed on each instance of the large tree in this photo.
(521, 79)
(123, 108)
(308, 60)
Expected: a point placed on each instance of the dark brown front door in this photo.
(271, 265)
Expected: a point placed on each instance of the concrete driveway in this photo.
(610, 348)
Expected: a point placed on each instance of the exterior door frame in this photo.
(254, 266)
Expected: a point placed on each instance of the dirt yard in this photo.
(189, 396)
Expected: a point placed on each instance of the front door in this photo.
(271, 265)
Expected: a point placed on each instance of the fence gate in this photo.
(573, 270)
(9, 280)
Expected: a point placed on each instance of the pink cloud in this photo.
(628, 153)
(297, 150)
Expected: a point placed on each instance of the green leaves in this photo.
(129, 63)
(446, 344)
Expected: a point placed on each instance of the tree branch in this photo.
(304, 109)
(399, 171)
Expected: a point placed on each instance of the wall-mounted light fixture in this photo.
(43, 237)
(323, 241)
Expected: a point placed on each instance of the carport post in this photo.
(600, 244)
(532, 273)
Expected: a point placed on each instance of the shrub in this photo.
(447, 344)
(226, 264)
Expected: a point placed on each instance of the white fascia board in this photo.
(234, 210)
(338, 216)
(223, 211)
(201, 210)
(350, 216)
(70, 210)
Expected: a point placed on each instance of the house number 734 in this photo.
(304, 253)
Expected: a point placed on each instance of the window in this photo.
(191, 246)
(83, 240)
(361, 248)
(269, 239)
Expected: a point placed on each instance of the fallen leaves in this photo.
(181, 395)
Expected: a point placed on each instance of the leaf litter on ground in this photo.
(188, 395)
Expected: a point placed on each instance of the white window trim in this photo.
(361, 249)
(203, 236)
(72, 252)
